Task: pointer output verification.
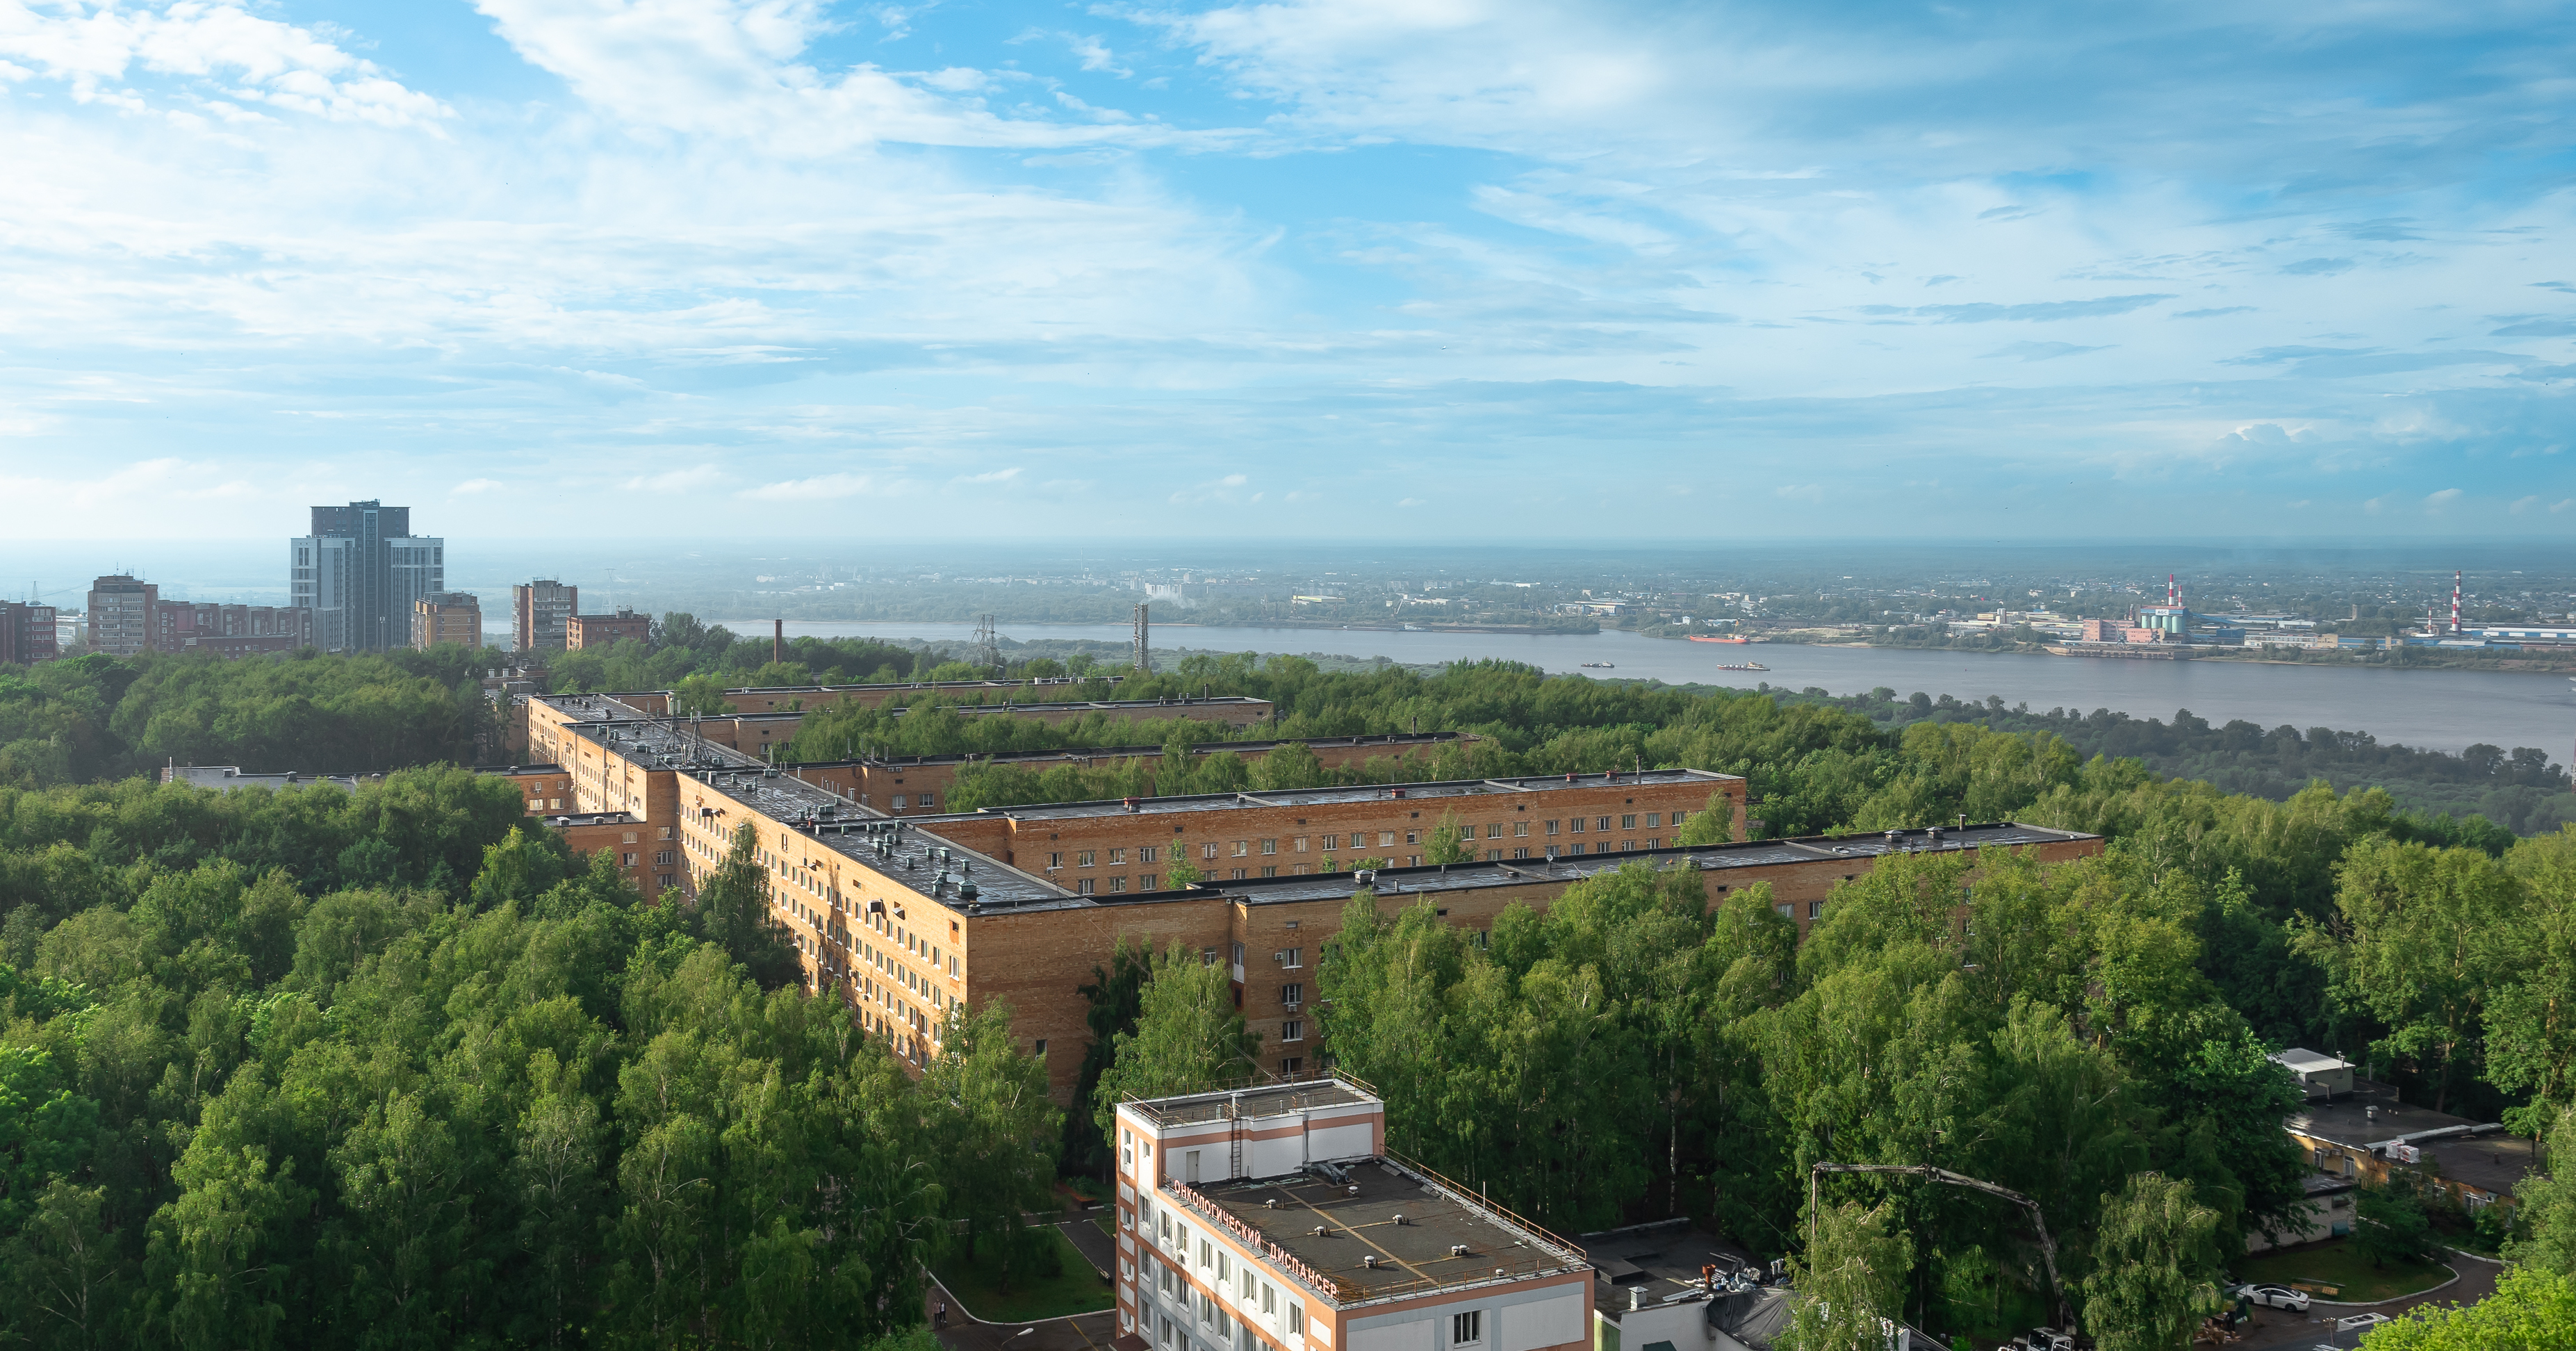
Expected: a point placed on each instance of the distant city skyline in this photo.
(1305, 269)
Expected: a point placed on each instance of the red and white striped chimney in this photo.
(2455, 604)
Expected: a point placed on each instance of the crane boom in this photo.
(2047, 1245)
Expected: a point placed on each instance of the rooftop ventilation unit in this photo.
(1457, 1250)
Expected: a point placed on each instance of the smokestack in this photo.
(2172, 595)
(2455, 604)
(778, 641)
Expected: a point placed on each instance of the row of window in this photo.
(1359, 840)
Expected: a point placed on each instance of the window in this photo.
(898, 802)
(1522, 852)
(1602, 824)
(1238, 874)
(1038, 1048)
(1147, 854)
(1385, 839)
(1655, 844)
(1148, 882)
(1224, 1267)
(627, 859)
(1055, 860)
(1083, 887)
(1293, 1030)
(1085, 858)
(1238, 954)
(1296, 1316)
(1301, 844)
(1272, 871)
(1294, 996)
(1654, 819)
(1269, 1298)
(1786, 910)
(1242, 847)
(1332, 842)
(1270, 846)
(1207, 851)
(928, 801)
(1493, 856)
(1551, 828)
(1413, 837)
(1520, 829)
(1578, 825)
(1164, 1220)
(1815, 909)
(1117, 857)
(1207, 1253)
(1628, 822)
(1494, 831)
(1467, 1329)
(1117, 884)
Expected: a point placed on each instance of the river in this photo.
(2436, 710)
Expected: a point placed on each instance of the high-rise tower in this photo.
(359, 572)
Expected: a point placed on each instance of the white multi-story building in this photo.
(1274, 1219)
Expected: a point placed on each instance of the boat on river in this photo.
(1742, 666)
(1601, 665)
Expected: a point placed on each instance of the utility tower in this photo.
(1143, 659)
(987, 648)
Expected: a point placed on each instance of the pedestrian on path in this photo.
(939, 1312)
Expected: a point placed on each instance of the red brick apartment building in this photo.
(582, 631)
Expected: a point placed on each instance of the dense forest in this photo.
(395, 1067)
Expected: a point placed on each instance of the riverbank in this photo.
(2401, 659)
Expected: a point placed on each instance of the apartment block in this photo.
(447, 617)
(1277, 1218)
(541, 613)
(607, 630)
(28, 633)
(120, 614)
(229, 631)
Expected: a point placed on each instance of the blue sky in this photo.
(1401, 269)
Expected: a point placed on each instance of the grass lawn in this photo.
(1107, 1220)
(1078, 1290)
(2340, 1264)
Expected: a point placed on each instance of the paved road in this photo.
(2280, 1327)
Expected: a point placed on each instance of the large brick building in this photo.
(908, 923)
(1113, 847)
(608, 630)
(127, 616)
(540, 610)
(28, 633)
(444, 618)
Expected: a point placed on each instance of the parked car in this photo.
(2362, 1322)
(2274, 1297)
(2045, 1339)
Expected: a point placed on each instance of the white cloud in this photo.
(677, 480)
(822, 488)
(95, 45)
(2434, 502)
(476, 485)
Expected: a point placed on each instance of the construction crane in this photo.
(2047, 1245)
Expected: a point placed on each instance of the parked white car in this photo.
(2274, 1297)
(2362, 1322)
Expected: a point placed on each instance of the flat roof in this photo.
(519, 769)
(562, 819)
(1259, 1100)
(1435, 791)
(1404, 1219)
(2309, 1062)
(1396, 740)
(2371, 1114)
(1434, 878)
(931, 868)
